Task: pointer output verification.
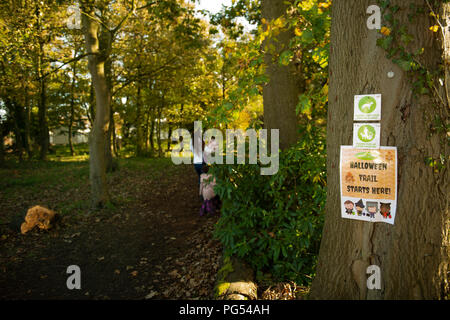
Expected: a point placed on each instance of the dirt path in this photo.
(153, 244)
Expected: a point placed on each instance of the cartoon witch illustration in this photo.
(360, 207)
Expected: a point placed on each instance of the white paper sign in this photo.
(367, 107)
(368, 180)
(366, 135)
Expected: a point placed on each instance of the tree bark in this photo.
(169, 135)
(42, 115)
(42, 104)
(138, 123)
(72, 107)
(158, 137)
(152, 133)
(106, 43)
(281, 94)
(96, 63)
(413, 254)
(147, 128)
(16, 111)
(2, 146)
(27, 121)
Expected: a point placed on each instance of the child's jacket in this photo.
(207, 187)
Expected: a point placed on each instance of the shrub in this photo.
(274, 223)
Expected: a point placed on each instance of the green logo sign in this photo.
(366, 133)
(367, 104)
(367, 155)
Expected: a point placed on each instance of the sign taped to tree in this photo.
(368, 184)
(366, 135)
(367, 107)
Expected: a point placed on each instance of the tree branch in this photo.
(64, 64)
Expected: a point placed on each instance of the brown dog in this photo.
(37, 216)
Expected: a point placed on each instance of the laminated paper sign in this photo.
(369, 184)
(366, 135)
(367, 107)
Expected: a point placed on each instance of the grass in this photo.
(62, 182)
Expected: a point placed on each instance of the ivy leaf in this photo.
(228, 105)
(286, 57)
(304, 105)
(385, 43)
(404, 64)
(320, 56)
(307, 36)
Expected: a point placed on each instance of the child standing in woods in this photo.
(211, 201)
(197, 148)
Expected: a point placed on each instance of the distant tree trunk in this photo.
(70, 128)
(15, 110)
(96, 63)
(138, 122)
(108, 142)
(158, 137)
(105, 42)
(413, 254)
(42, 119)
(113, 132)
(146, 131)
(72, 107)
(42, 104)
(2, 146)
(27, 121)
(152, 133)
(281, 94)
(169, 135)
(91, 111)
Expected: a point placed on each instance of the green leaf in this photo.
(304, 105)
(307, 36)
(404, 64)
(285, 57)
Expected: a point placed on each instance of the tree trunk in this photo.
(27, 121)
(96, 64)
(2, 146)
(147, 127)
(42, 120)
(91, 112)
(158, 137)
(281, 94)
(169, 135)
(72, 108)
(106, 43)
(138, 123)
(110, 166)
(413, 254)
(113, 132)
(152, 133)
(42, 104)
(16, 112)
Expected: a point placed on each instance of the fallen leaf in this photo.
(174, 273)
(151, 295)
